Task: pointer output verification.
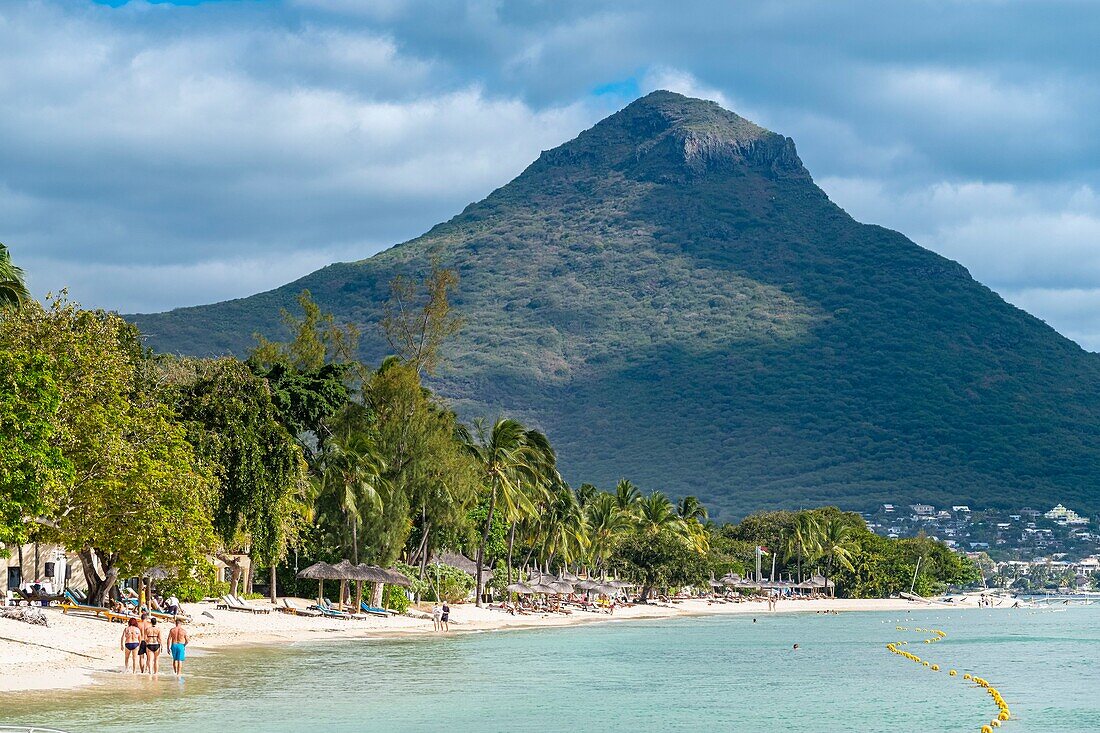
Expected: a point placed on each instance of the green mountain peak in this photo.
(672, 299)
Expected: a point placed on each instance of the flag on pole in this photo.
(762, 550)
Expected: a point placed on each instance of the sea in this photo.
(707, 673)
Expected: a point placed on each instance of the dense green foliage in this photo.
(31, 464)
(671, 298)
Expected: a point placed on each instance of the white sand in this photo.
(73, 648)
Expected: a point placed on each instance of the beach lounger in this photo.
(376, 611)
(40, 598)
(330, 612)
(289, 607)
(233, 603)
(71, 605)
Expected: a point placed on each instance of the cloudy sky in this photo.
(154, 155)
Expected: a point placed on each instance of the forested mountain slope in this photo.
(672, 299)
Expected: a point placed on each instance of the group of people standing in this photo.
(142, 642)
(441, 617)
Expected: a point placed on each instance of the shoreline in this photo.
(76, 651)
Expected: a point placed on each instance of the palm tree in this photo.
(656, 514)
(800, 541)
(838, 544)
(13, 289)
(690, 508)
(565, 533)
(586, 493)
(508, 456)
(351, 474)
(606, 524)
(627, 495)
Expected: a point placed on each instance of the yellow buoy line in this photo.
(938, 635)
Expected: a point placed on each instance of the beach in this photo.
(74, 650)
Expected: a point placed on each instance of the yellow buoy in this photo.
(1004, 715)
(967, 676)
(986, 729)
(952, 673)
(935, 668)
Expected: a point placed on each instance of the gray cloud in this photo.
(161, 156)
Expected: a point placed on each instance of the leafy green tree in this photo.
(316, 340)
(607, 524)
(13, 289)
(136, 494)
(351, 480)
(800, 541)
(505, 460)
(417, 323)
(234, 425)
(431, 479)
(837, 543)
(32, 467)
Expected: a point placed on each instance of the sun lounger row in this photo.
(231, 602)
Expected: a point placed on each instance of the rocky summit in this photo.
(672, 299)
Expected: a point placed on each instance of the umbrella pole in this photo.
(358, 595)
(320, 591)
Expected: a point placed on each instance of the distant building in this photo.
(1063, 515)
(922, 509)
(961, 509)
(888, 508)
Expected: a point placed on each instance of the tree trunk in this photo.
(481, 547)
(511, 541)
(250, 577)
(99, 587)
(799, 562)
(272, 591)
(376, 595)
(354, 542)
(237, 570)
(358, 595)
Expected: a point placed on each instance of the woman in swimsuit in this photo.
(444, 620)
(152, 646)
(131, 640)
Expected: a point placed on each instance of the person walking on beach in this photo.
(437, 617)
(152, 647)
(177, 646)
(131, 640)
(444, 620)
(143, 627)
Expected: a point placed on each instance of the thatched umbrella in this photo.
(586, 584)
(560, 586)
(619, 584)
(320, 571)
(371, 574)
(397, 578)
(520, 588)
(542, 589)
(155, 573)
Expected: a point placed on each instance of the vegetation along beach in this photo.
(463, 366)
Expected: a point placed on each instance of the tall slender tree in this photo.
(507, 456)
(838, 544)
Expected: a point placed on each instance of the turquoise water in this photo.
(699, 674)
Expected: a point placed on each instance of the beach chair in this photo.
(289, 607)
(376, 611)
(38, 598)
(233, 603)
(329, 611)
(72, 605)
(242, 603)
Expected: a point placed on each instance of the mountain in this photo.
(672, 299)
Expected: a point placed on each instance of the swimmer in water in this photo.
(795, 648)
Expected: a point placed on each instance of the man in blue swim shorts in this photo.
(177, 645)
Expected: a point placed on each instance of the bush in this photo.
(395, 598)
(201, 583)
(452, 584)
